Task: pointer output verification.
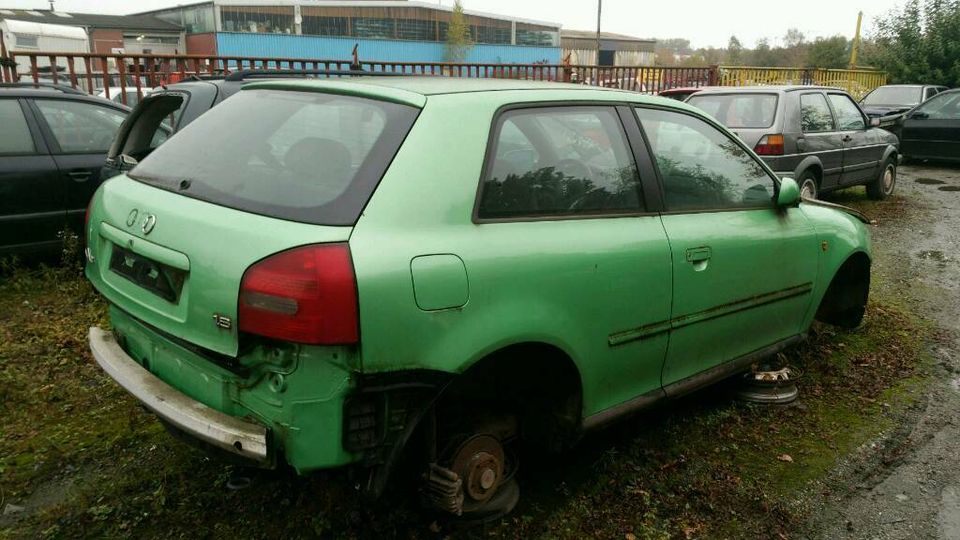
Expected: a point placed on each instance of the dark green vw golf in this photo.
(331, 273)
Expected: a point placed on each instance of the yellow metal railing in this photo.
(856, 81)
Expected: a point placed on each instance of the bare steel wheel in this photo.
(883, 186)
(808, 185)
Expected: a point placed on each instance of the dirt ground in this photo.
(907, 484)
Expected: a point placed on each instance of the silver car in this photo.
(816, 135)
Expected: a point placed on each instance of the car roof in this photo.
(414, 90)
(763, 89)
(51, 91)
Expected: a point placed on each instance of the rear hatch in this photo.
(750, 115)
(264, 172)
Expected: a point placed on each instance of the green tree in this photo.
(918, 43)
(829, 53)
(734, 51)
(762, 55)
(458, 35)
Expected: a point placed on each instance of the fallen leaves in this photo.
(785, 457)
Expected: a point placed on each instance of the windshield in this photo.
(301, 156)
(738, 110)
(906, 96)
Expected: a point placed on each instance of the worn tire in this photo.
(885, 183)
(809, 186)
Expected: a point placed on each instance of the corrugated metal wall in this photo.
(382, 50)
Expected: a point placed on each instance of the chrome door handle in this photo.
(699, 254)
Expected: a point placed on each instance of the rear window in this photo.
(745, 111)
(300, 156)
(894, 95)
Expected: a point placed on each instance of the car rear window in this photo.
(745, 111)
(301, 156)
(894, 95)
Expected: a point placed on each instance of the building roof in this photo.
(90, 20)
(607, 36)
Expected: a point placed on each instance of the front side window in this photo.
(849, 116)
(941, 107)
(564, 161)
(815, 114)
(701, 167)
(81, 127)
(15, 136)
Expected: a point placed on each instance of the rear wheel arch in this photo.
(845, 301)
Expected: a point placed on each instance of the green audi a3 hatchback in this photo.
(337, 272)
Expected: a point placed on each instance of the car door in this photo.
(79, 133)
(561, 218)
(743, 269)
(861, 146)
(820, 137)
(31, 190)
(932, 130)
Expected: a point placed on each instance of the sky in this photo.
(704, 22)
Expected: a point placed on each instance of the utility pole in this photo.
(856, 43)
(599, 7)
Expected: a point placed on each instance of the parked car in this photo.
(682, 93)
(117, 93)
(893, 100)
(932, 130)
(171, 107)
(311, 274)
(53, 141)
(817, 135)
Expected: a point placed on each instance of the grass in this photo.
(86, 460)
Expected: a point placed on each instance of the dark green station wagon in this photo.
(324, 273)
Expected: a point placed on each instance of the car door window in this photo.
(941, 107)
(929, 93)
(849, 117)
(81, 127)
(701, 167)
(563, 161)
(815, 116)
(15, 136)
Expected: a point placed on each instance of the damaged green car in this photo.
(328, 273)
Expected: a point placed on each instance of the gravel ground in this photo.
(907, 484)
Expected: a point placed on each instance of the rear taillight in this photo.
(305, 295)
(770, 145)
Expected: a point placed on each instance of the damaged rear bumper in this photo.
(237, 436)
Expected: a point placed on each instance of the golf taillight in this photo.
(304, 295)
(770, 145)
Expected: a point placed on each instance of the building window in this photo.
(491, 34)
(257, 19)
(540, 36)
(195, 20)
(325, 26)
(25, 41)
(369, 27)
(415, 29)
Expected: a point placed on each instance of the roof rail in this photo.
(244, 74)
(40, 85)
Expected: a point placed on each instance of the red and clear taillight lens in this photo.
(770, 145)
(304, 295)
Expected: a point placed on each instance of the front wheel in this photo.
(883, 186)
(808, 185)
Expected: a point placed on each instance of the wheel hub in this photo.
(479, 462)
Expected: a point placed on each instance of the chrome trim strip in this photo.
(232, 434)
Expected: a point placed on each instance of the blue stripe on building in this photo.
(373, 50)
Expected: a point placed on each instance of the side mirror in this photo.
(874, 122)
(789, 194)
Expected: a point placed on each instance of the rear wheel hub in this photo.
(479, 461)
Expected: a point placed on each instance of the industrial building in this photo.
(615, 49)
(395, 30)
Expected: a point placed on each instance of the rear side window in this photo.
(564, 161)
(15, 136)
(302, 156)
(745, 111)
(848, 114)
(81, 127)
(815, 114)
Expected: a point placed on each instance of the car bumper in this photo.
(246, 439)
